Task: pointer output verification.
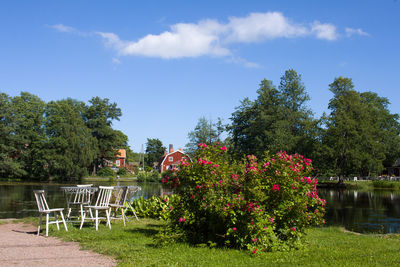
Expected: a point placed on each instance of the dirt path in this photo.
(20, 246)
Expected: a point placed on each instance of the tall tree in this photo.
(205, 132)
(99, 116)
(9, 165)
(277, 120)
(71, 147)
(360, 130)
(154, 151)
(27, 116)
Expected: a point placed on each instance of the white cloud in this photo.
(351, 31)
(63, 28)
(260, 26)
(213, 38)
(116, 61)
(183, 40)
(325, 31)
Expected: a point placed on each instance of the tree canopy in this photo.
(60, 139)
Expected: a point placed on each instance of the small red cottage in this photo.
(120, 159)
(171, 159)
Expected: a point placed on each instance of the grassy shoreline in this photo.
(327, 246)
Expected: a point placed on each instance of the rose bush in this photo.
(261, 205)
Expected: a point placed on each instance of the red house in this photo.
(120, 159)
(171, 159)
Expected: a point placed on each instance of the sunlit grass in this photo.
(332, 246)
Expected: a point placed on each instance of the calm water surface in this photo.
(373, 211)
(18, 201)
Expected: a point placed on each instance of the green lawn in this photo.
(133, 245)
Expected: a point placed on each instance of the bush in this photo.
(155, 207)
(106, 172)
(254, 204)
(385, 184)
(148, 177)
(121, 171)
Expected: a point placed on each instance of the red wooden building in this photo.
(171, 159)
(120, 159)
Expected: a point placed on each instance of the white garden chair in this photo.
(120, 198)
(81, 196)
(102, 204)
(44, 209)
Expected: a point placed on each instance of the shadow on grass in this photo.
(144, 231)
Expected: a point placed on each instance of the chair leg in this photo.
(83, 219)
(63, 220)
(123, 215)
(68, 213)
(108, 218)
(40, 223)
(97, 219)
(47, 224)
(56, 217)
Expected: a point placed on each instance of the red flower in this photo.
(234, 229)
(275, 187)
(223, 148)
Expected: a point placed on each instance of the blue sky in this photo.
(167, 63)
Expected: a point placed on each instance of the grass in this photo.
(331, 246)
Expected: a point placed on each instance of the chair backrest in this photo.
(82, 194)
(121, 195)
(40, 200)
(104, 196)
(84, 185)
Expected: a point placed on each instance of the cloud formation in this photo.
(212, 38)
(351, 31)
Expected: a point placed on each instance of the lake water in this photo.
(373, 211)
(18, 201)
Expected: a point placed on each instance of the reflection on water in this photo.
(18, 201)
(375, 211)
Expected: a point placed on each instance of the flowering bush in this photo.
(261, 205)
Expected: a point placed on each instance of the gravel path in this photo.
(20, 246)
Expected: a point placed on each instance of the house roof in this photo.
(121, 153)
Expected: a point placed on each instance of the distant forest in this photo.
(70, 139)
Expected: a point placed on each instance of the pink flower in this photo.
(254, 240)
(234, 229)
(275, 187)
(293, 229)
(182, 219)
(223, 148)
(254, 251)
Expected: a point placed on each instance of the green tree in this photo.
(99, 116)
(277, 120)
(71, 147)
(361, 132)
(9, 165)
(205, 132)
(27, 117)
(154, 151)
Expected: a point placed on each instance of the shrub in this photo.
(121, 171)
(106, 172)
(154, 207)
(385, 184)
(148, 177)
(255, 204)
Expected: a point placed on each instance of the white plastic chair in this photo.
(102, 204)
(44, 209)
